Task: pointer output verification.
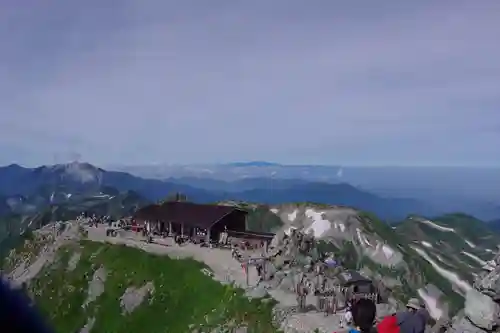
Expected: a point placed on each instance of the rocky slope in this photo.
(418, 257)
(456, 242)
(481, 313)
(34, 211)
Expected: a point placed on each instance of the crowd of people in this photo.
(362, 316)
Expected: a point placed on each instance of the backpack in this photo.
(388, 325)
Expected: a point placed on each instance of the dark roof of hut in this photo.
(149, 212)
(350, 277)
(197, 215)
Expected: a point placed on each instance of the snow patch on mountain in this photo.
(474, 257)
(426, 244)
(319, 225)
(292, 216)
(436, 226)
(472, 245)
(450, 276)
(339, 225)
(388, 251)
(362, 238)
(431, 304)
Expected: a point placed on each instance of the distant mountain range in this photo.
(474, 190)
(41, 186)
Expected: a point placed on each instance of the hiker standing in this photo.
(334, 300)
(346, 319)
(260, 270)
(320, 291)
(301, 295)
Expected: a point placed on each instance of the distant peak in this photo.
(80, 171)
(74, 164)
(14, 166)
(253, 163)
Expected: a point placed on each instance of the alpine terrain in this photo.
(85, 279)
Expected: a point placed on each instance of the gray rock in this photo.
(88, 326)
(133, 297)
(281, 312)
(277, 240)
(96, 286)
(256, 292)
(489, 284)
(73, 261)
(462, 325)
(287, 283)
(270, 270)
(481, 309)
(385, 309)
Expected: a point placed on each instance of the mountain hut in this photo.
(192, 220)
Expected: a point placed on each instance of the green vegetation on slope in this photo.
(420, 269)
(184, 297)
(10, 236)
(263, 220)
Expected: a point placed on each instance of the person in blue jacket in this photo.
(415, 319)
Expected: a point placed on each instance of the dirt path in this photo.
(225, 268)
(22, 273)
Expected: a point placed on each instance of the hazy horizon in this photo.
(132, 165)
(329, 82)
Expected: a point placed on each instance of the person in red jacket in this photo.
(413, 320)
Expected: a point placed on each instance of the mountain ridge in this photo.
(470, 189)
(84, 176)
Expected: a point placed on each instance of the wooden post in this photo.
(264, 268)
(246, 273)
(207, 236)
(182, 230)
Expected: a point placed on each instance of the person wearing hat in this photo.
(413, 305)
(413, 320)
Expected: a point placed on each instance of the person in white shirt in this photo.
(347, 318)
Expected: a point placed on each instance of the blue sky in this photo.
(325, 81)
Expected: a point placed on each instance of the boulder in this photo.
(277, 240)
(256, 292)
(287, 284)
(462, 325)
(481, 309)
(488, 284)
